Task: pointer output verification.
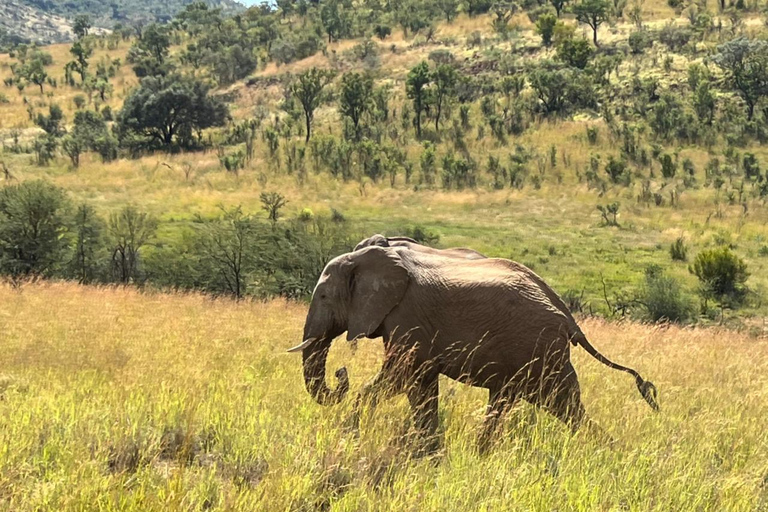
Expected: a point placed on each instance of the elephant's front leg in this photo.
(423, 395)
(379, 388)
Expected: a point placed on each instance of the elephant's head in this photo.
(383, 241)
(355, 293)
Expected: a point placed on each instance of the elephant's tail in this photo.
(646, 387)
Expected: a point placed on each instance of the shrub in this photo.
(722, 275)
(678, 250)
(422, 235)
(617, 170)
(639, 41)
(668, 166)
(609, 213)
(575, 52)
(662, 298)
(33, 224)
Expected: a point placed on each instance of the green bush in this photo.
(678, 250)
(663, 299)
(722, 276)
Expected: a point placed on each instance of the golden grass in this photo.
(114, 399)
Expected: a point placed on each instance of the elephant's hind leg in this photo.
(501, 400)
(562, 397)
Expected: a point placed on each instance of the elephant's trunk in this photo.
(315, 356)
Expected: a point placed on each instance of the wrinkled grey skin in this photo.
(410, 243)
(487, 322)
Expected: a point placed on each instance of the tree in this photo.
(418, 78)
(149, 53)
(308, 89)
(545, 27)
(444, 78)
(88, 228)
(227, 251)
(272, 203)
(129, 231)
(356, 97)
(745, 62)
(35, 72)
(333, 18)
(33, 225)
(81, 25)
(593, 13)
(448, 8)
(559, 5)
(169, 110)
(81, 53)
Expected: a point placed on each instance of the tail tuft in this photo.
(649, 392)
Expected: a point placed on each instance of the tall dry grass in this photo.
(113, 399)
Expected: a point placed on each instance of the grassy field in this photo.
(112, 399)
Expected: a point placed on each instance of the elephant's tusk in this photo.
(301, 346)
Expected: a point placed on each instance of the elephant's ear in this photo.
(375, 240)
(377, 284)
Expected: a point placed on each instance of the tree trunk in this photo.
(309, 126)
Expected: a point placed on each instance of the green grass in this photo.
(117, 400)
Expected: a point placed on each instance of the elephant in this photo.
(410, 243)
(486, 322)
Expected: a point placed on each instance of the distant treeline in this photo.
(43, 234)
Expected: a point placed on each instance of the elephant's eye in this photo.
(322, 296)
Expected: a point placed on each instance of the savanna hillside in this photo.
(169, 168)
(498, 126)
(114, 399)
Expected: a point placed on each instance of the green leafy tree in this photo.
(227, 250)
(308, 90)
(419, 77)
(745, 63)
(129, 231)
(593, 13)
(81, 53)
(150, 52)
(448, 8)
(444, 80)
(559, 5)
(545, 27)
(88, 248)
(35, 72)
(33, 228)
(81, 25)
(356, 98)
(170, 110)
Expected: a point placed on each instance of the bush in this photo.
(575, 52)
(639, 41)
(678, 250)
(617, 170)
(422, 235)
(722, 275)
(33, 227)
(662, 298)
